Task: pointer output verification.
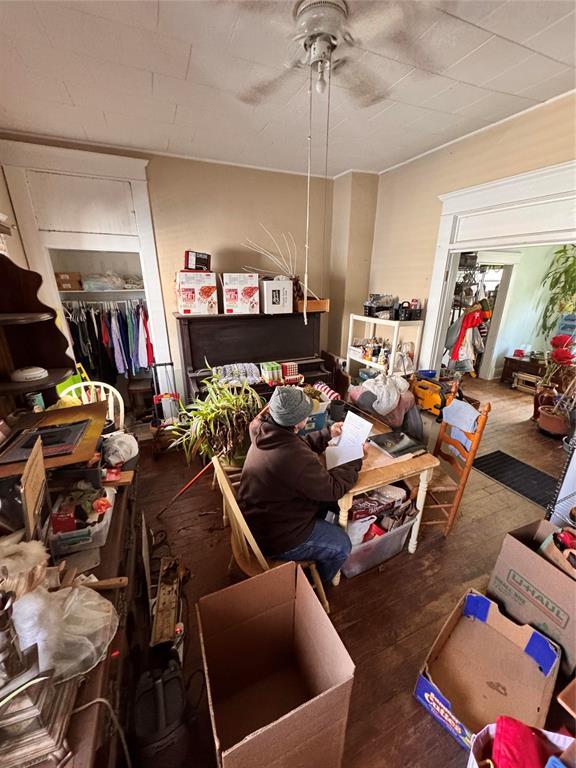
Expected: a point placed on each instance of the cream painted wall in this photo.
(408, 213)
(15, 249)
(215, 208)
(353, 214)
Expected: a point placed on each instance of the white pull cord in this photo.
(308, 175)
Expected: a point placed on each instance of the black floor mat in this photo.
(518, 476)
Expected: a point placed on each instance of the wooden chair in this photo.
(245, 551)
(99, 392)
(445, 484)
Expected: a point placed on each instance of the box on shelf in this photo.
(533, 590)
(289, 369)
(278, 676)
(271, 372)
(197, 261)
(196, 293)
(276, 297)
(68, 281)
(241, 293)
(483, 665)
(314, 305)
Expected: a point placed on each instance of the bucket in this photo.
(357, 529)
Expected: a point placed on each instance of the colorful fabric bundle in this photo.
(325, 389)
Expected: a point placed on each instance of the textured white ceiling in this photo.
(165, 76)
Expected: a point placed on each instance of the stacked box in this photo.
(271, 373)
(196, 293)
(241, 295)
(68, 281)
(197, 261)
(289, 369)
(276, 296)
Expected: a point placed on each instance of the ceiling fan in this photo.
(331, 36)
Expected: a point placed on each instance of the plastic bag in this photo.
(72, 628)
(119, 448)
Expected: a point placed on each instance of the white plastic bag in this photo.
(72, 628)
(119, 448)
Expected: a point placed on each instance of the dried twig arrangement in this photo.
(282, 263)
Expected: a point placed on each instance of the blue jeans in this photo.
(328, 545)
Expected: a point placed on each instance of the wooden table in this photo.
(370, 479)
(84, 451)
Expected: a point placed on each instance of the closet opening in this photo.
(107, 322)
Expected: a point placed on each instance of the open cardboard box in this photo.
(278, 676)
(483, 665)
(533, 590)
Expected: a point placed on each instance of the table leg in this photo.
(345, 503)
(420, 500)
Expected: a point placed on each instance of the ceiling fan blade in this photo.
(260, 92)
(393, 28)
(363, 86)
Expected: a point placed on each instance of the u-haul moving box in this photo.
(533, 590)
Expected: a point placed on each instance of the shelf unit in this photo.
(370, 326)
(29, 336)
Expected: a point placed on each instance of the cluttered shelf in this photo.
(55, 376)
(17, 318)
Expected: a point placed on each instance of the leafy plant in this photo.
(561, 281)
(219, 423)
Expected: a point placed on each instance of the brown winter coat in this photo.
(284, 481)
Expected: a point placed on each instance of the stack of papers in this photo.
(350, 445)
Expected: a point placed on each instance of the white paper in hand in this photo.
(350, 445)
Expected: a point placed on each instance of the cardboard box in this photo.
(276, 296)
(196, 293)
(196, 260)
(314, 305)
(68, 281)
(533, 590)
(482, 747)
(241, 294)
(483, 665)
(278, 677)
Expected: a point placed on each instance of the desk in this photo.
(86, 447)
(370, 479)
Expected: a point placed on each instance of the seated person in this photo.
(284, 482)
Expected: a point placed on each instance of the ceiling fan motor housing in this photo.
(320, 17)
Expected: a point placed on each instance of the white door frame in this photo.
(18, 157)
(535, 208)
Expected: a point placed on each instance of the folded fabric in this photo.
(517, 744)
(462, 417)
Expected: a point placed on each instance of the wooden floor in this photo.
(387, 619)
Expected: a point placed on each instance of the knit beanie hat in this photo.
(289, 406)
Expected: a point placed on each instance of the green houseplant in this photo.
(561, 282)
(218, 424)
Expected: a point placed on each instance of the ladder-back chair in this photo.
(446, 490)
(245, 551)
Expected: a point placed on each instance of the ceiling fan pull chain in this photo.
(308, 175)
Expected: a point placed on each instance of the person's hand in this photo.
(365, 447)
(336, 429)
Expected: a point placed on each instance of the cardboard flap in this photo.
(231, 606)
(322, 657)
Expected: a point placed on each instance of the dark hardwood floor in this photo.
(387, 618)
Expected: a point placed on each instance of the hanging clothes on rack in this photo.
(110, 340)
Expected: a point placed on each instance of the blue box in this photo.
(315, 422)
(483, 665)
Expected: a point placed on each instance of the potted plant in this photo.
(561, 281)
(218, 424)
(554, 418)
